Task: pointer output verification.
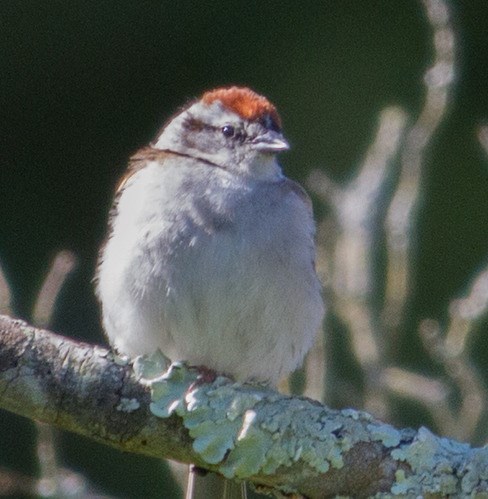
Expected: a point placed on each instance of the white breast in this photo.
(213, 269)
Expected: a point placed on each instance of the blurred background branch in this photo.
(401, 217)
(52, 479)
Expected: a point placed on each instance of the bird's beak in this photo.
(271, 142)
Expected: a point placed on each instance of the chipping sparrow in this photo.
(210, 252)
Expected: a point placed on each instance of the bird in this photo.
(210, 248)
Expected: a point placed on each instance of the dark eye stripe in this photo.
(193, 124)
(228, 131)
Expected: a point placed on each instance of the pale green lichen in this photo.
(128, 405)
(384, 433)
(150, 367)
(168, 391)
(436, 465)
(250, 450)
(248, 429)
(356, 415)
(401, 484)
(475, 478)
(214, 416)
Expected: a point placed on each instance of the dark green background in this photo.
(85, 83)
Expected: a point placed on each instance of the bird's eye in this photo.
(228, 131)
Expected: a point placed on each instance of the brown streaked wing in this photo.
(137, 162)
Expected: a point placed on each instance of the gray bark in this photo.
(278, 443)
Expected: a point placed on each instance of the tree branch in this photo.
(288, 444)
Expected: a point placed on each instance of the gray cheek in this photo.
(204, 141)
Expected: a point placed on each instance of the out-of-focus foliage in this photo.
(385, 105)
